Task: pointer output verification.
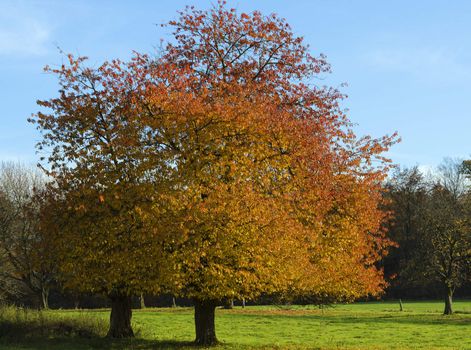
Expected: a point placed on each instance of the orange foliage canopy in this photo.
(231, 173)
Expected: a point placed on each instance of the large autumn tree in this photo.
(216, 170)
(272, 190)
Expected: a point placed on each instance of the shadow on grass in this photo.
(32, 329)
(463, 312)
(458, 319)
(78, 343)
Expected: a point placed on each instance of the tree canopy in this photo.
(215, 170)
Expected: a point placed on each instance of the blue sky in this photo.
(407, 63)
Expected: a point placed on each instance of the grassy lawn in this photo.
(377, 325)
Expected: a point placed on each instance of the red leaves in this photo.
(254, 166)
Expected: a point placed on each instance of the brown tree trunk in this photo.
(120, 318)
(204, 322)
(448, 302)
(229, 304)
(142, 301)
(45, 298)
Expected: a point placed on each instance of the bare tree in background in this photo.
(452, 175)
(23, 271)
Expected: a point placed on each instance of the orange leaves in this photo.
(219, 170)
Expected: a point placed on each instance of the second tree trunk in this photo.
(120, 318)
(204, 322)
(449, 303)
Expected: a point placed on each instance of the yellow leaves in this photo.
(234, 182)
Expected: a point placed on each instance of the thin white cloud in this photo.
(21, 31)
(424, 62)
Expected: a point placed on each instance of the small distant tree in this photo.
(447, 230)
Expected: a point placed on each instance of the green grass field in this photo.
(378, 325)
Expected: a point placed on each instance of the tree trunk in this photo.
(204, 322)
(229, 304)
(142, 301)
(448, 302)
(45, 298)
(120, 318)
(174, 302)
(243, 303)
